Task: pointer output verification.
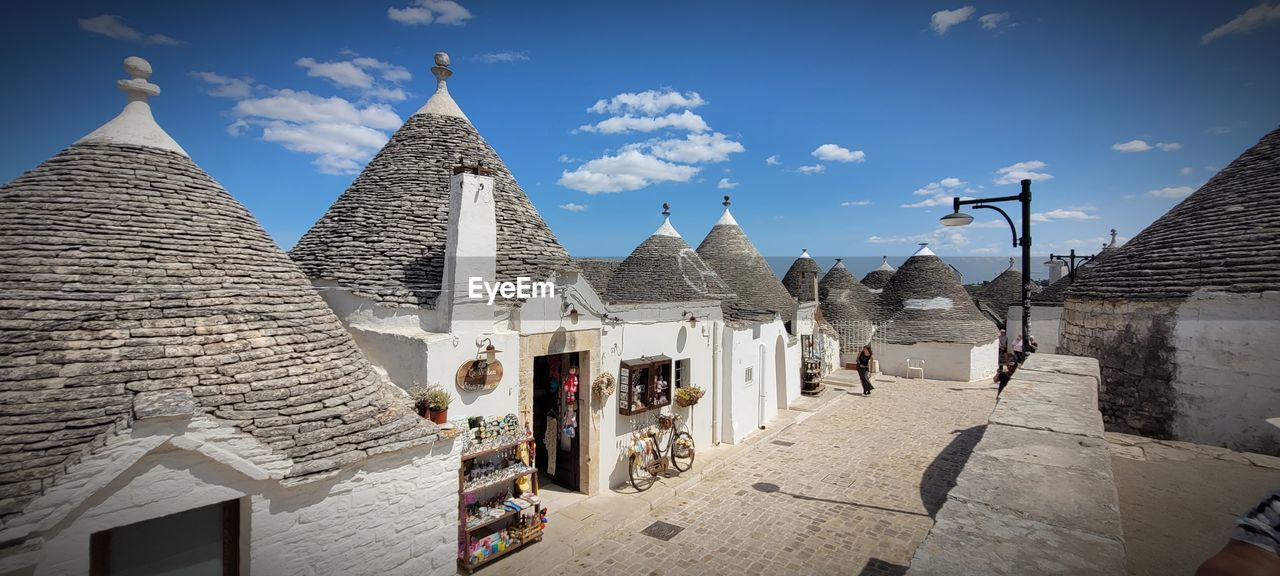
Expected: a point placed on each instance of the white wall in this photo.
(651, 330)
(747, 405)
(1226, 384)
(942, 360)
(1046, 325)
(395, 513)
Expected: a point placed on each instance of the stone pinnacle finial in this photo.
(137, 86)
(726, 201)
(666, 209)
(441, 69)
(1113, 236)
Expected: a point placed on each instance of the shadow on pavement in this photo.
(940, 477)
(769, 488)
(878, 567)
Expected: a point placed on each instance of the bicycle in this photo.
(656, 449)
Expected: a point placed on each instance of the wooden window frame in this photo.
(628, 403)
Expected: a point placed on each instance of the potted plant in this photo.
(438, 399)
(419, 397)
(689, 395)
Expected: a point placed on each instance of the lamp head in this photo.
(956, 218)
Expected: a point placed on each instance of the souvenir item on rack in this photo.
(603, 385)
(571, 385)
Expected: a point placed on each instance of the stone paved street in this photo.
(854, 494)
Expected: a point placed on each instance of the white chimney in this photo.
(471, 250)
(1057, 269)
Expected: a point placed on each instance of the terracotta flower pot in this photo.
(423, 411)
(440, 417)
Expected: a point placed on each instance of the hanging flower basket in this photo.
(603, 385)
(688, 396)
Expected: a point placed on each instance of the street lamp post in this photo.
(1072, 266)
(958, 218)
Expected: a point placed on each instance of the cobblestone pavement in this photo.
(853, 494)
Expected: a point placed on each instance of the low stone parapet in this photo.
(1037, 495)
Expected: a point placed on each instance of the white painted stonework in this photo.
(135, 126)
(937, 303)
(470, 252)
(942, 360)
(1227, 382)
(748, 405)
(441, 102)
(394, 513)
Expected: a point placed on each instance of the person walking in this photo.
(864, 370)
(1004, 345)
(1002, 377)
(1018, 355)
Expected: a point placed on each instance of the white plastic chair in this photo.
(915, 366)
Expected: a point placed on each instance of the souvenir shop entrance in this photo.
(557, 420)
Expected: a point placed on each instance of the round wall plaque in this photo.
(479, 375)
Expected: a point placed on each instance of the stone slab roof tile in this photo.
(131, 286)
(926, 303)
(598, 272)
(1225, 237)
(730, 253)
(800, 277)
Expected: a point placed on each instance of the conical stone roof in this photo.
(664, 268)
(132, 285)
(926, 303)
(384, 238)
(801, 276)
(878, 278)
(1225, 237)
(847, 305)
(730, 253)
(1004, 291)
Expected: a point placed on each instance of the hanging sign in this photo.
(479, 375)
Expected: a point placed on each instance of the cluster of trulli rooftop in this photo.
(166, 365)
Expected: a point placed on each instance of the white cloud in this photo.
(1060, 214)
(629, 170)
(942, 199)
(726, 184)
(648, 102)
(937, 192)
(627, 123)
(359, 73)
(1177, 192)
(772, 160)
(1186, 170)
(340, 134)
(1015, 173)
(853, 203)
(951, 182)
(422, 12)
(944, 19)
(1168, 146)
(114, 27)
(1131, 146)
(814, 169)
(224, 86)
(1219, 130)
(696, 148)
(837, 153)
(993, 20)
(572, 207)
(566, 159)
(941, 237)
(1252, 19)
(503, 57)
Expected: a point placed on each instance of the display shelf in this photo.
(473, 526)
(486, 449)
(472, 567)
(508, 474)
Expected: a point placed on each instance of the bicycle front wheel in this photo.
(682, 451)
(641, 477)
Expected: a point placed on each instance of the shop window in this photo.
(644, 384)
(201, 541)
(682, 373)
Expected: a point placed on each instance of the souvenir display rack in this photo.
(644, 384)
(499, 509)
(811, 377)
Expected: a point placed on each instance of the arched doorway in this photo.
(780, 371)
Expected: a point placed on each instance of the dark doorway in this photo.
(552, 400)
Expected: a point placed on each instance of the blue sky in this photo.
(603, 111)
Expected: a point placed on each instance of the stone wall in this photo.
(1133, 342)
(1037, 495)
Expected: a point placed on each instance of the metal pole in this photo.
(1025, 199)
